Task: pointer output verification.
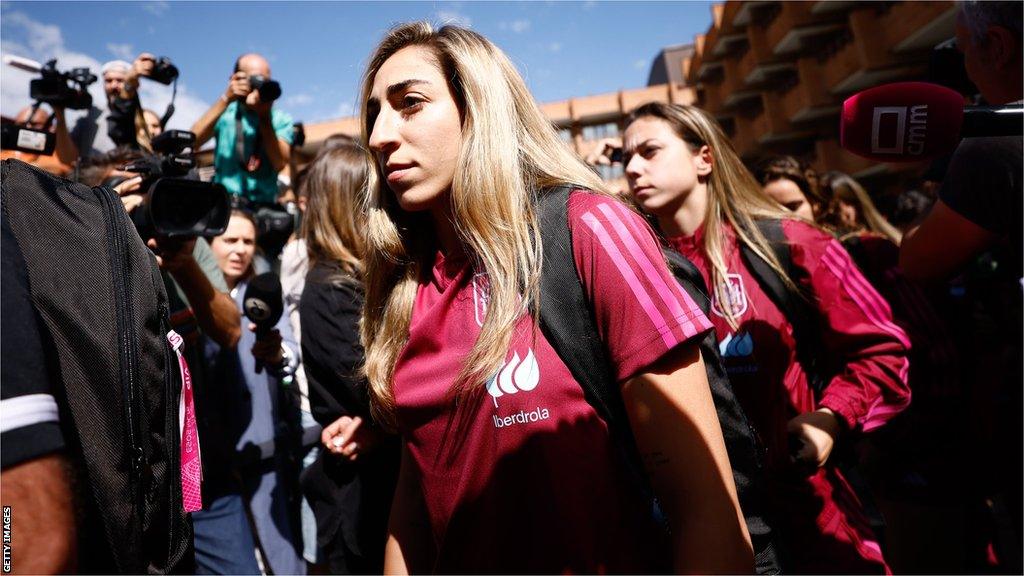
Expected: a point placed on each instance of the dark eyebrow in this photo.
(397, 88)
(404, 85)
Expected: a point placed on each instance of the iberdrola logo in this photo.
(516, 375)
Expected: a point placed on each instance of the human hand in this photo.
(601, 154)
(812, 437)
(261, 108)
(131, 202)
(172, 254)
(144, 64)
(238, 86)
(348, 437)
(267, 348)
(129, 186)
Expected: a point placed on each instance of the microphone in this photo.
(25, 64)
(263, 305)
(915, 121)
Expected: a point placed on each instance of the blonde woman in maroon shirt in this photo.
(506, 467)
(683, 170)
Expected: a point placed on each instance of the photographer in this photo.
(122, 121)
(65, 153)
(253, 138)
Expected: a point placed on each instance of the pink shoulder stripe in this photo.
(699, 322)
(668, 295)
(858, 288)
(643, 298)
(883, 407)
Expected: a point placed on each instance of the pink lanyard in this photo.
(191, 464)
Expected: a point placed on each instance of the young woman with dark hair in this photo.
(682, 169)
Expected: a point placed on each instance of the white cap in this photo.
(115, 65)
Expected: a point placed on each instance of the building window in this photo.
(598, 131)
(612, 172)
(565, 134)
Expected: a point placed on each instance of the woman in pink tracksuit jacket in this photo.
(682, 170)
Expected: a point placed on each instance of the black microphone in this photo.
(263, 305)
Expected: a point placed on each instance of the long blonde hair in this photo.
(840, 187)
(733, 194)
(333, 185)
(509, 152)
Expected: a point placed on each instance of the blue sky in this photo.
(317, 49)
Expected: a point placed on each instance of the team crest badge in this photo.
(737, 297)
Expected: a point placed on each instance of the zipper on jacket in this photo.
(117, 238)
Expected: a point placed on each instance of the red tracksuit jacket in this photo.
(820, 522)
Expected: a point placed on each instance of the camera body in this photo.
(25, 139)
(164, 71)
(175, 206)
(63, 89)
(269, 90)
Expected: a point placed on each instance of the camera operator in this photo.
(193, 280)
(122, 120)
(253, 137)
(65, 153)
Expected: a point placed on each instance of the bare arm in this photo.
(278, 151)
(216, 312)
(66, 152)
(679, 437)
(238, 87)
(203, 128)
(408, 549)
(944, 243)
(43, 528)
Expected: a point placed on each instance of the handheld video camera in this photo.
(175, 206)
(63, 89)
(269, 90)
(24, 139)
(66, 89)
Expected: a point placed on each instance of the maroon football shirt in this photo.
(524, 477)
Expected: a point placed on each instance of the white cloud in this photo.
(640, 64)
(298, 100)
(452, 17)
(40, 38)
(344, 110)
(156, 7)
(122, 51)
(555, 47)
(517, 26)
(29, 38)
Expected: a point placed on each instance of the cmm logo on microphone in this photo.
(899, 129)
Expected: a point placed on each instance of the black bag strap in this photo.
(567, 321)
(795, 306)
(683, 269)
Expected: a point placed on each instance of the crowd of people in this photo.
(414, 409)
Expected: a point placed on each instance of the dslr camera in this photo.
(176, 206)
(269, 90)
(163, 71)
